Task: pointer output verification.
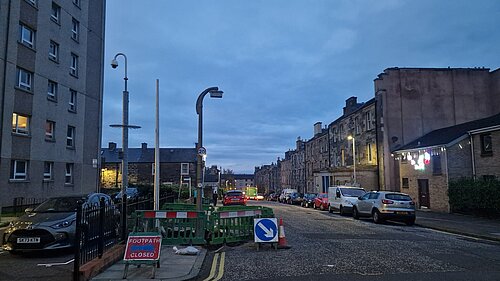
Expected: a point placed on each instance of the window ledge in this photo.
(75, 40)
(53, 60)
(50, 140)
(69, 184)
(56, 21)
(74, 75)
(27, 46)
(23, 90)
(18, 181)
(486, 154)
(49, 98)
(72, 110)
(21, 135)
(47, 180)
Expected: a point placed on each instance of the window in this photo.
(357, 126)
(405, 183)
(486, 145)
(54, 51)
(55, 13)
(369, 120)
(342, 159)
(19, 170)
(47, 170)
(32, 2)
(76, 2)
(26, 35)
(24, 79)
(52, 90)
(50, 127)
(69, 173)
(72, 100)
(369, 152)
(20, 124)
(75, 29)
(436, 164)
(70, 137)
(184, 168)
(74, 65)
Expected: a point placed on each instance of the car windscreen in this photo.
(352, 192)
(62, 204)
(234, 193)
(398, 197)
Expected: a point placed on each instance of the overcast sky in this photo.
(283, 65)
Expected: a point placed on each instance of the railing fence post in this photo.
(76, 265)
(100, 242)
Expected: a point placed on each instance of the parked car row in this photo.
(379, 205)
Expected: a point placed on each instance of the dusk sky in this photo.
(283, 65)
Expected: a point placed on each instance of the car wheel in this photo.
(314, 206)
(355, 213)
(342, 211)
(410, 222)
(330, 210)
(321, 207)
(376, 217)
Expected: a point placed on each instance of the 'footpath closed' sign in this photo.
(143, 248)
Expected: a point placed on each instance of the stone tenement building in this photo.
(317, 160)
(267, 178)
(51, 81)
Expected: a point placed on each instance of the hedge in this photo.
(478, 197)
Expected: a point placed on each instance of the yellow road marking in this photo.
(214, 267)
(221, 267)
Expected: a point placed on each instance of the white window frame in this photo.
(32, 2)
(18, 175)
(72, 100)
(70, 137)
(55, 12)
(184, 169)
(52, 88)
(24, 79)
(47, 174)
(15, 124)
(369, 120)
(26, 36)
(50, 127)
(75, 29)
(54, 51)
(69, 173)
(74, 65)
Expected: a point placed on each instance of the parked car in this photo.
(308, 199)
(284, 194)
(51, 225)
(259, 196)
(272, 197)
(234, 197)
(295, 198)
(131, 192)
(385, 205)
(321, 201)
(341, 198)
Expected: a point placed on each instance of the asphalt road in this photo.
(331, 247)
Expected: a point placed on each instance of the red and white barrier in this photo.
(170, 215)
(239, 214)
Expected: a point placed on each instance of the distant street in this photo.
(331, 247)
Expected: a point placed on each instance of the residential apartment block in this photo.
(51, 83)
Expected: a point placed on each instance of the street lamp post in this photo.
(125, 126)
(353, 157)
(214, 93)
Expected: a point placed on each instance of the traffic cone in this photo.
(282, 244)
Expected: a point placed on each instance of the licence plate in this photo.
(401, 213)
(235, 199)
(25, 240)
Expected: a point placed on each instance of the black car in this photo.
(295, 198)
(52, 225)
(308, 199)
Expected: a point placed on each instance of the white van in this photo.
(341, 198)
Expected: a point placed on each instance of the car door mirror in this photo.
(28, 210)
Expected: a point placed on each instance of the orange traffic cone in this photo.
(282, 244)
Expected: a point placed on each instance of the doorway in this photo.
(423, 193)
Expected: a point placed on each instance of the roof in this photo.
(147, 155)
(446, 135)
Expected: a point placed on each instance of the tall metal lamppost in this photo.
(214, 93)
(353, 157)
(125, 126)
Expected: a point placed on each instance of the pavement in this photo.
(186, 267)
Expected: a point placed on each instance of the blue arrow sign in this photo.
(266, 230)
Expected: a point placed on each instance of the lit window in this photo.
(19, 170)
(20, 124)
(47, 170)
(69, 173)
(24, 79)
(74, 65)
(70, 137)
(185, 169)
(52, 90)
(369, 152)
(75, 29)
(54, 51)
(26, 36)
(55, 13)
(72, 100)
(49, 130)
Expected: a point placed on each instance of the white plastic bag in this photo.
(190, 250)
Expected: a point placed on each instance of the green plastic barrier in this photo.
(185, 207)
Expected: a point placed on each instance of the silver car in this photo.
(51, 225)
(385, 205)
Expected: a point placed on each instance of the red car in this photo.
(321, 201)
(234, 197)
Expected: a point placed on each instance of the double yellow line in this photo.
(214, 271)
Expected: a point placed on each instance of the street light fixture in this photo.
(125, 126)
(353, 157)
(214, 93)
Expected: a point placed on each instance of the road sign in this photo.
(143, 248)
(202, 151)
(265, 230)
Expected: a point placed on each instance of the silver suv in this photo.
(385, 205)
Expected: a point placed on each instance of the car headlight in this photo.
(63, 224)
